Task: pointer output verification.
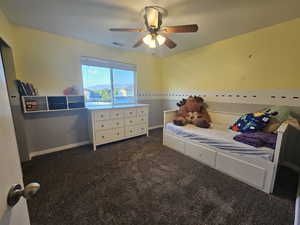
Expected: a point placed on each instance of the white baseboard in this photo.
(65, 147)
(56, 149)
(155, 127)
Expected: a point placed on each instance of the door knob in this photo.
(16, 192)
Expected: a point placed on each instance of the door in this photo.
(10, 167)
(15, 102)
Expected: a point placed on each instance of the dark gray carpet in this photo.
(139, 181)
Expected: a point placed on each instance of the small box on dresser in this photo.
(113, 123)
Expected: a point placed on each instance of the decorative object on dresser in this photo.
(113, 123)
(71, 91)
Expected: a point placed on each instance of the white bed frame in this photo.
(257, 172)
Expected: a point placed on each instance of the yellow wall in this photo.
(52, 62)
(6, 30)
(225, 65)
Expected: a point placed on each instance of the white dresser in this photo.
(113, 123)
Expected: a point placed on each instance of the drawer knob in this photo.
(102, 136)
(130, 121)
(102, 125)
(117, 114)
(117, 123)
(130, 131)
(130, 112)
(101, 116)
(118, 133)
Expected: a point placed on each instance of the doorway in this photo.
(14, 99)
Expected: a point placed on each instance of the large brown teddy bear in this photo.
(192, 110)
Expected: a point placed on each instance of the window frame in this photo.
(110, 64)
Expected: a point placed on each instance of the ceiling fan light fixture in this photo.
(147, 39)
(152, 16)
(160, 39)
(150, 41)
(152, 44)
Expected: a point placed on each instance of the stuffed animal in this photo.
(192, 110)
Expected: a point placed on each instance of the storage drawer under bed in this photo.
(201, 154)
(247, 172)
(174, 143)
(244, 171)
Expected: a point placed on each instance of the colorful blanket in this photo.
(251, 122)
(257, 139)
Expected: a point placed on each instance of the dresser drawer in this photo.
(104, 136)
(101, 115)
(118, 133)
(130, 131)
(108, 124)
(142, 119)
(140, 129)
(103, 124)
(143, 111)
(116, 114)
(130, 121)
(117, 123)
(130, 112)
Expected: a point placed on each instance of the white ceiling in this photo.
(90, 19)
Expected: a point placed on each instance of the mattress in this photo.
(221, 139)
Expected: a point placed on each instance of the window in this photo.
(108, 82)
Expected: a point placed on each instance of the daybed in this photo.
(216, 148)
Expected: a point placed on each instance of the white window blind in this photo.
(107, 63)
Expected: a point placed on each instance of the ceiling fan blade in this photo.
(181, 28)
(171, 44)
(126, 29)
(138, 43)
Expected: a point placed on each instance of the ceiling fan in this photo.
(153, 20)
